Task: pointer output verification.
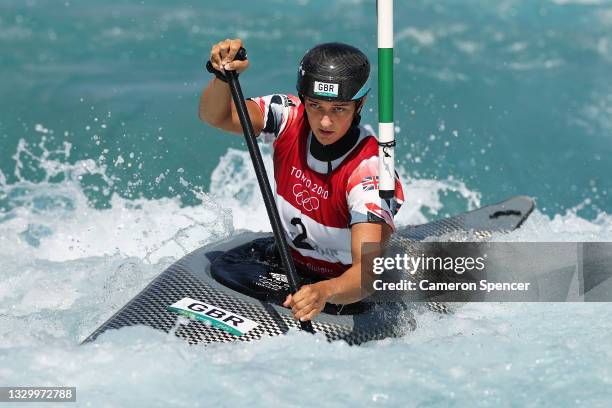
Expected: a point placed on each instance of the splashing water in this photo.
(67, 267)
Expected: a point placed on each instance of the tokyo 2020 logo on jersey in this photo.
(304, 199)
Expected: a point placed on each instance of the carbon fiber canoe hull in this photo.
(220, 314)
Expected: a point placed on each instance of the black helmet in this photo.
(334, 72)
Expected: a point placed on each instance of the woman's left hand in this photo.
(307, 302)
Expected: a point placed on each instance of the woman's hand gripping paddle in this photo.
(262, 178)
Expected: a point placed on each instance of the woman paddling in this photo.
(325, 166)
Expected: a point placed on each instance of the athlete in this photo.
(325, 166)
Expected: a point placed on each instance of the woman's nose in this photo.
(326, 121)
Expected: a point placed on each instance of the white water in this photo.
(66, 267)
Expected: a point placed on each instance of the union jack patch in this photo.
(375, 214)
(369, 183)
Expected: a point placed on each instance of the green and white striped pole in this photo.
(386, 134)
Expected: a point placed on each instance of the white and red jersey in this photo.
(318, 197)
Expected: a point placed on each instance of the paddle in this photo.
(262, 179)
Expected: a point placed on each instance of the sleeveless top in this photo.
(321, 191)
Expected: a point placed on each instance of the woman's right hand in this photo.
(223, 53)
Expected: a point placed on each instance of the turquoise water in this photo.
(511, 97)
(107, 176)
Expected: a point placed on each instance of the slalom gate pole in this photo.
(386, 132)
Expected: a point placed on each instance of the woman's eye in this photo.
(340, 110)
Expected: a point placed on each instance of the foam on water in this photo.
(67, 266)
(233, 183)
(55, 221)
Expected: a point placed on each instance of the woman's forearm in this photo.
(346, 288)
(215, 103)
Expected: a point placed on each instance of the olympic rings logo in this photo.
(303, 198)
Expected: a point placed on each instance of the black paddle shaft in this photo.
(262, 178)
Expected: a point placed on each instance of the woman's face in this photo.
(329, 121)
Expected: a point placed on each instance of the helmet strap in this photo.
(358, 107)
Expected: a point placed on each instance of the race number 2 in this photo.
(300, 240)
